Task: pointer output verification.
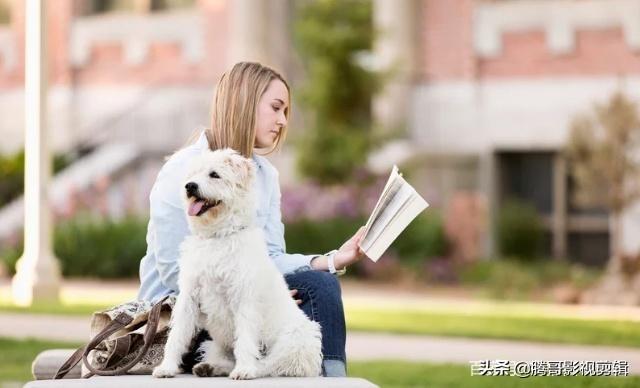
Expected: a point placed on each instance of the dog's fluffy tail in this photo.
(296, 353)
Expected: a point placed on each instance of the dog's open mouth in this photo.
(199, 206)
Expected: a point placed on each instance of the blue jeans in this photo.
(322, 302)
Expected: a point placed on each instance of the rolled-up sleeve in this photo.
(274, 235)
(170, 228)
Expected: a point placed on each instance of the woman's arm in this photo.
(348, 254)
(274, 234)
(170, 227)
(286, 263)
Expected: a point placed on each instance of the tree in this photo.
(603, 151)
(331, 36)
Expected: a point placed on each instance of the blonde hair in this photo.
(235, 107)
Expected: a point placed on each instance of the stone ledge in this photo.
(192, 381)
(47, 363)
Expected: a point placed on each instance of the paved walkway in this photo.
(365, 346)
(371, 346)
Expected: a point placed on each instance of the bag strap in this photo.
(120, 350)
(118, 323)
(149, 334)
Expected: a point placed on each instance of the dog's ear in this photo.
(242, 167)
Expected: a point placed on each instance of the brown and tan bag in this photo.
(126, 339)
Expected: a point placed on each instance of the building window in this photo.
(5, 12)
(95, 7)
(161, 5)
(589, 248)
(583, 234)
(527, 177)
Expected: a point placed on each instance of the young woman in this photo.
(250, 113)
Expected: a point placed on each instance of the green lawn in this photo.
(482, 325)
(465, 323)
(400, 374)
(54, 308)
(16, 357)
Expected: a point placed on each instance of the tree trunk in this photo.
(615, 261)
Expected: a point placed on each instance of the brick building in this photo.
(484, 89)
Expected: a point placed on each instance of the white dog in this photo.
(230, 287)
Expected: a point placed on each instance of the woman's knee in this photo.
(319, 284)
(325, 286)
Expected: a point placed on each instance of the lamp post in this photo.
(37, 277)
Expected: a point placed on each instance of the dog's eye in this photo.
(214, 174)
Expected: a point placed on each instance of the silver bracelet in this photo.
(331, 264)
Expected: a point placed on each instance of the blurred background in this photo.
(517, 120)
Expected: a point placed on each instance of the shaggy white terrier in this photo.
(230, 287)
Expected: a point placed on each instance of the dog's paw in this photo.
(162, 371)
(202, 369)
(205, 369)
(244, 372)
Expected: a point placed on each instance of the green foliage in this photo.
(424, 238)
(95, 247)
(12, 174)
(113, 249)
(9, 257)
(330, 36)
(309, 237)
(515, 279)
(101, 248)
(519, 230)
(602, 149)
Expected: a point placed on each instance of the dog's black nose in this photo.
(192, 188)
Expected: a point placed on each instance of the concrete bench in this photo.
(47, 363)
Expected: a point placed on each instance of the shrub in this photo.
(515, 279)
(9, 256)
(94, 247)
(101, 248)
(424, 238)
(519, 231)
(308, 237)
(12, 174)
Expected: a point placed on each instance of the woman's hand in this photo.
(293, 295)
(349, 252)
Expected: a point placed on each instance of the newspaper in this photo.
(397, 206)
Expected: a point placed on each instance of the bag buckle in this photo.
(124, 319)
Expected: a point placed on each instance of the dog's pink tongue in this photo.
(195, 208)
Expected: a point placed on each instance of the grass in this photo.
(575, 331)
(401, 374)
(72, 302)
(54, 308)
(16, 357)
(418, 320)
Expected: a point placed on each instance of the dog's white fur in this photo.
(230, 287)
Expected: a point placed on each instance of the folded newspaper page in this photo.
(397, 206)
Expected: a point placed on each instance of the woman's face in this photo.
(271, 116)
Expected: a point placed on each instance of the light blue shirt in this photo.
(168, 223)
